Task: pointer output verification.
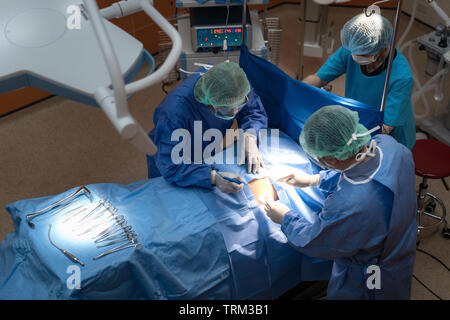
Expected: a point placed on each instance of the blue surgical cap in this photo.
(367, 35)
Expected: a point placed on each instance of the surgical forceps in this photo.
(118, 248)
(61, 208)
(101, 203)
(95, 226)
(128, 237)
(121, 234)
(66, 253)
(71, 210)
(119, 225)
(80, 190)
(74, 214)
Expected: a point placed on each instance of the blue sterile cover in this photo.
(289, 102)
(197, 243)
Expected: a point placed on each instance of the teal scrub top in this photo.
(398, 112)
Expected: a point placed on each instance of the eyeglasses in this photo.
(230, 112)
(318, 162)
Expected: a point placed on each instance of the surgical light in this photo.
(89, 60)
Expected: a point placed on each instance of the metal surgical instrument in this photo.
(118, 248)
(80, 190)
(113, 229)
(111, 237)
(74, 215)
(67, 253)
(101, 203)
(71, 210)
(95, 226)
(60, 208)
(129, 237)
(80, 224)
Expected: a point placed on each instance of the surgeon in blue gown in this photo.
(211, 99)
(363, 58)
(368, 221)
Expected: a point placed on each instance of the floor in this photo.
(58, 144)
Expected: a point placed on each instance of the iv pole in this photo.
(391, 57)
(244, 22)
(301, 39)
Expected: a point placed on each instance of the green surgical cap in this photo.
(367, 35)
(328, 130)
(224, 86)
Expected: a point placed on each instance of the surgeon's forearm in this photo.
(188, 175)
(314, 80)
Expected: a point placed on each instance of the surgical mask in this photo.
(361, 60)
(360, 157)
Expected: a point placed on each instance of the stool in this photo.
(432, 160)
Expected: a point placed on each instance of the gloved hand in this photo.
(301, 180)
(276, 210)
(251, 153)
(225, 185)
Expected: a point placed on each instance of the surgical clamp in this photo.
(71, 210)
(118, 248)
(101, 203)
(61, 208)
(129, 237)
(80, 190)
(111, 237)
(66, 253)
(119, 226)
(95, 226)
(74, 215)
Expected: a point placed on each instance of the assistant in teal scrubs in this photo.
(363, 57)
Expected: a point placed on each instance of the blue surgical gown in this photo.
(365, 222)
(179, 110)
(398, 111)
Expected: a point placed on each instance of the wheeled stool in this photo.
(432, 160)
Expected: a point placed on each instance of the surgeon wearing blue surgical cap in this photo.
(368, 221)
(212, 99)
(363, 57)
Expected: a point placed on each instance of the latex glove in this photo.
(276, 210)
(387, 129)
(251, 153)
(301, 180)
(225, 185)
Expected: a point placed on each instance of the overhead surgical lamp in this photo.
(92, 63)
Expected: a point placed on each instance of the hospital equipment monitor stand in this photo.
(205, 28)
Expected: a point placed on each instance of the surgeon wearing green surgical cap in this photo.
(214, 98)
(363, 58)
(367, 221)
